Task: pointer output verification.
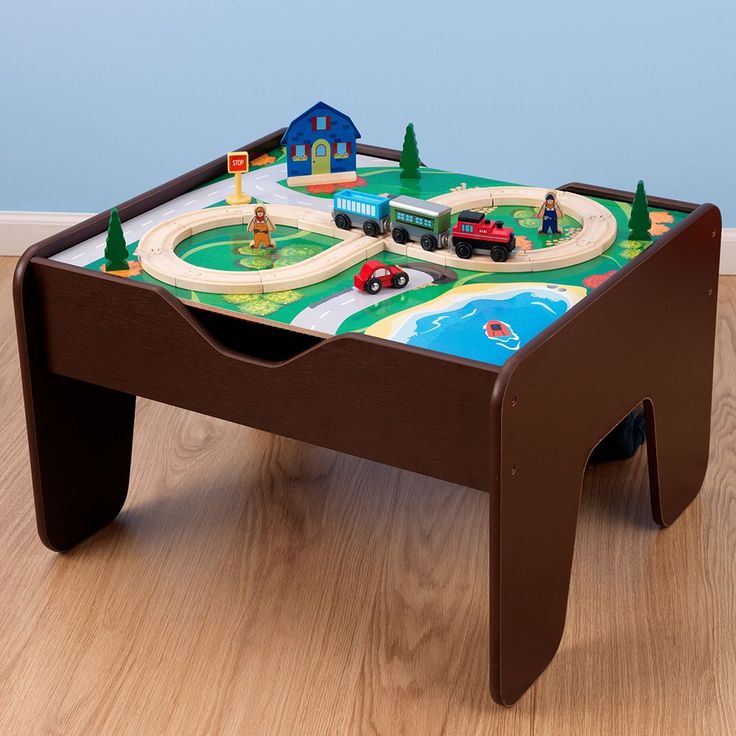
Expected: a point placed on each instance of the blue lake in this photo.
(463, 330)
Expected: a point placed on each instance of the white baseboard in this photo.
(728, 252)
(19, 230)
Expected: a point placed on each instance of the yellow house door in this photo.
(321, 157)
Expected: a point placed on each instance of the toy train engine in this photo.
(351, 208)
(474, 231)
(418, 220)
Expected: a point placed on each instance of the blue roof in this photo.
(310, 111)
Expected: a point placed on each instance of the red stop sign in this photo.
(237, 162)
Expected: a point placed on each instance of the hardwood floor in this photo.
(254, 585)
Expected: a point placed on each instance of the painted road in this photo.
(327, 316)
(261, 183)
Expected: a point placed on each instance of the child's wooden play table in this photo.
(90, 343)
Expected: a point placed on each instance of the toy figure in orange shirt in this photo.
(261, 227)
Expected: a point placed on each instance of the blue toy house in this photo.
(320, 147)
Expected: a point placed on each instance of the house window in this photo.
(300, 152)
(320, 150)
(341, 150)
(321, 122)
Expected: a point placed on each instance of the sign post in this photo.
(237, 163)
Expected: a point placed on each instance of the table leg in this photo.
(80, 435)
(80, 439)
(533, 516)
(535, 496)
(678, 442)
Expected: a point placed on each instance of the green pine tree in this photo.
(640, 222)
(116, 251)
(409, 161)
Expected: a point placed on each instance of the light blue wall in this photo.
(102, 100)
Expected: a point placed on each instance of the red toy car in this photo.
(473, 230)
(374, 275)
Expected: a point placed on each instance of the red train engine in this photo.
(474, 231)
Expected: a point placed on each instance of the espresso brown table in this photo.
(90, 343)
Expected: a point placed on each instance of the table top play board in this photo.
(448, 302)
(498, 376)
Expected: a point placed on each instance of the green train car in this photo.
(424, 222)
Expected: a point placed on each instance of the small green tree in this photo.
(640, 222)
(409, 161)
(116, 251)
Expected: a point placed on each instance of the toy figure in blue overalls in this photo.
(551, 213)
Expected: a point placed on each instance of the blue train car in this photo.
(352, 208)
